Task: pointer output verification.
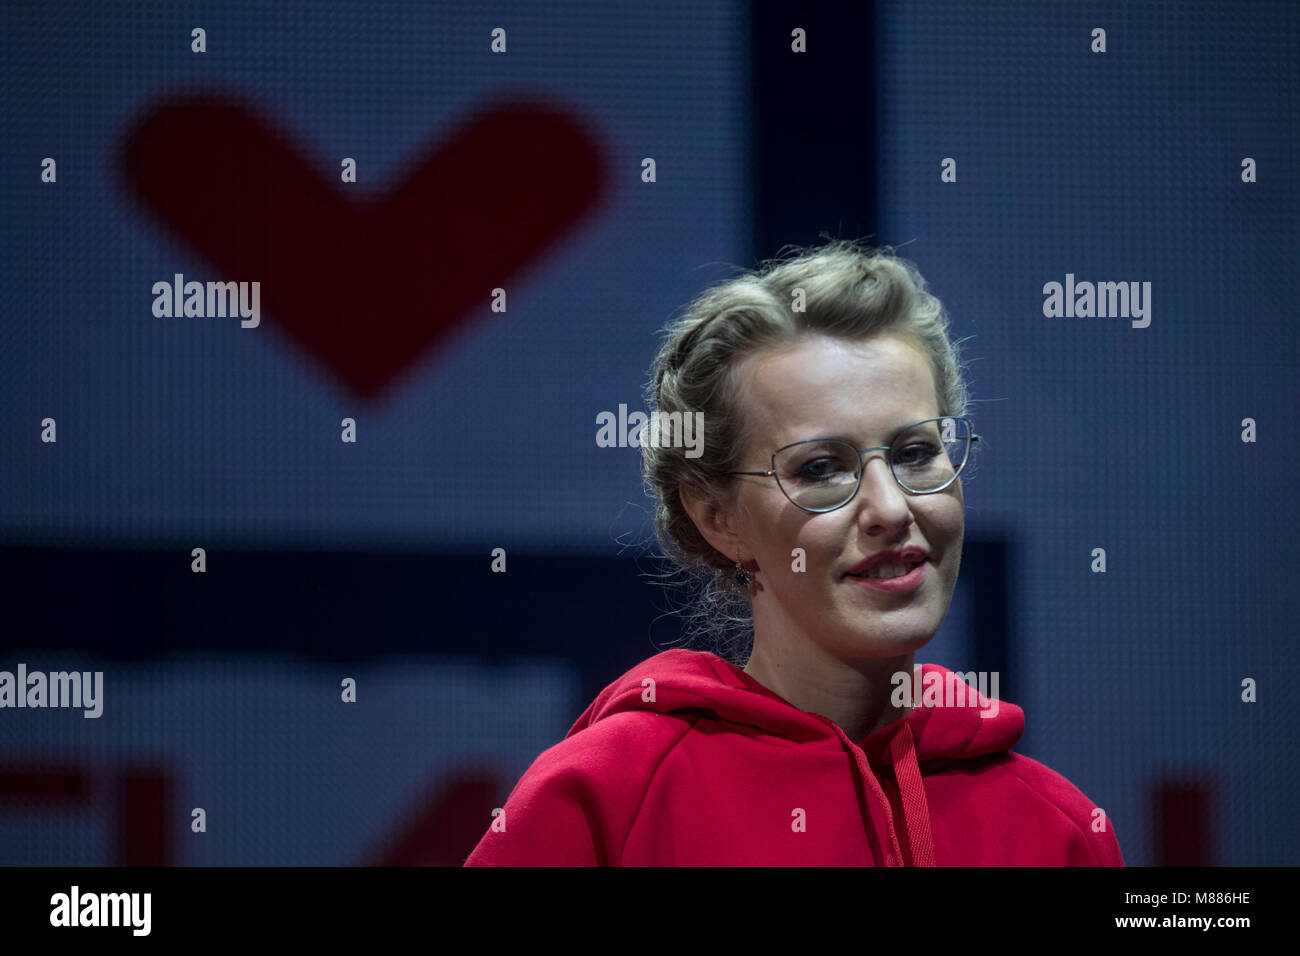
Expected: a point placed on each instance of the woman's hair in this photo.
(849, 292)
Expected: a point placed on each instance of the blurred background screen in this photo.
(462, 263)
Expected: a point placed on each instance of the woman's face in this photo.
(863, 391)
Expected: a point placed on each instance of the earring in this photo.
(742, 576)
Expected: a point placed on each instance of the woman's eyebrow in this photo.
(849, 435)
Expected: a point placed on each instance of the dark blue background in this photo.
(328, 560)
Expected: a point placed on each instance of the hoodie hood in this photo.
(940, 729)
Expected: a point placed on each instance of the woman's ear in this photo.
(714, 521)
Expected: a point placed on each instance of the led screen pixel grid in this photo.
(175, 429)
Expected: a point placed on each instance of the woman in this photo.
(828, 502)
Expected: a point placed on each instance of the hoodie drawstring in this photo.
(916, 812)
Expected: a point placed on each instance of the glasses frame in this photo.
(862, 468)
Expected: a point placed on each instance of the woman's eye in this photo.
(819, 469)
(917, 454)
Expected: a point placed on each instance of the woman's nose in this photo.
(884, 502)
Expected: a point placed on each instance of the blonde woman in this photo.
(824, 520)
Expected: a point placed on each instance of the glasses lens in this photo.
(818, 475)
(928, 455)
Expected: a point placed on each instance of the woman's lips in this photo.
(901, 585)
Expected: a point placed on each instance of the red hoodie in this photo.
(718, 770)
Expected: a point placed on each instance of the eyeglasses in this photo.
(822, 474)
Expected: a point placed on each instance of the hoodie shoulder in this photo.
(1083, 821)
(576, 803)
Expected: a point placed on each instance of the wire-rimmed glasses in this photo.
(822, 474)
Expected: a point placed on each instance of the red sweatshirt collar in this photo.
(696, 680)
(892, 746)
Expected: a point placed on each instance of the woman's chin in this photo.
(885, 643)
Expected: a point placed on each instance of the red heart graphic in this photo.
(367, 287)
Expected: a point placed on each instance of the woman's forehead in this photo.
(880, 362)
(852, 390)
